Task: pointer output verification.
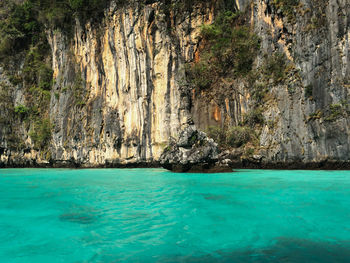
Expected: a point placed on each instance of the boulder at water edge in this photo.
(192, 152)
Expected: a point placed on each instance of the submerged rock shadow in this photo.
(213, 197)
(286, 250)
(77, 218)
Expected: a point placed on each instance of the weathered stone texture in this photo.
(120, 95)
(132, 66)
(316, 41)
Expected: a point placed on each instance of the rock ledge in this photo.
(192, 152)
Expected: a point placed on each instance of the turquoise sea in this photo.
(152, 215)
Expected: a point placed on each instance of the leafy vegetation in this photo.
(41, 133)
(254, 117)
(19, 28)
(275, 67)
(230, 48)
(80, 94)
(23, 38)
(258, 92)
(317, 19)
(22, 25)
(288, 7)
(236, 136)
(315, 115)
(218, 134)
(60, 14)
(6, 105)
(36, 71)
(308, 91)
(335, 111)
(22, 111)
(332, 113)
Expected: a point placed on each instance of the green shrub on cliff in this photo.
(288, 7)
(23, 23)
(61, 14)
(229, 50)
(36, 70)
(308, 91)
(231, 47)
(201, 73)
(45, 76)
(254, 117)
(335, 111)
(22, 34)
(19, 28)
(275, 66)
(41, 133)
(22, 111)
(236, 136)
(218, 134)
(79, 92)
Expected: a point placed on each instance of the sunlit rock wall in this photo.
(119, 92)
(298, 127)
(130, 104)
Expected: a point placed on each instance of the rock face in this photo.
(307, 118)
(192, 152)
(132, 69)
(119, 95)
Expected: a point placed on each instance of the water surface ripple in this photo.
(152, 215)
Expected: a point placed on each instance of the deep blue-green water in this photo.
(152, 215)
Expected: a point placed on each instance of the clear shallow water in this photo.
(152, 215)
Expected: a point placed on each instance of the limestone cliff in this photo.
(118, 93)
(307, 116)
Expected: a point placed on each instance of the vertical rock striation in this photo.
(119, 91)
(308, 113)
(130, 102)
(309, 129)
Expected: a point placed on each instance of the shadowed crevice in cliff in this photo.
(111, 45)
(148, 108)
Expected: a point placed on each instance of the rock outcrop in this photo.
(119, 92)
(307, 117)
(192, 152)
(117, 96)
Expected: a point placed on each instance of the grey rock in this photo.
(132, 67)
(257, 157)
(192, 152)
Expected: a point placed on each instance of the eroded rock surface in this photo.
(192, 152)
(118, 94)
